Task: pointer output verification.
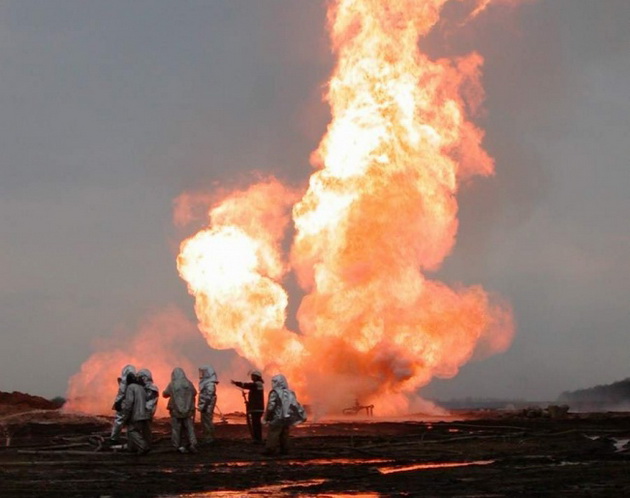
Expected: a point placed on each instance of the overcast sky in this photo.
(110, 110)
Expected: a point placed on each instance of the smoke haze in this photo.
(112, 110)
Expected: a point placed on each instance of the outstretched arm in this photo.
(244, 385)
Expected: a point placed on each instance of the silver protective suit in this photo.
(280, 400)
(278, 434)
(181, 396)
(136, 417)
(207, 400)
(279, 415)
(122, 387)
(150, 389)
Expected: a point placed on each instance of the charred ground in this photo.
(45, 452)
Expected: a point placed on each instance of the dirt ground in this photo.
(46, 453)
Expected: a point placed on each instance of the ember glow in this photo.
(380, 211)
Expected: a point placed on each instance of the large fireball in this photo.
(379, 212)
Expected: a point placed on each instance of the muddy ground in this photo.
(45, 453)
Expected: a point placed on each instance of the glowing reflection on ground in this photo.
(320, 461)
(283, 490)
(429, 466)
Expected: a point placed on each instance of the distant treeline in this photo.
(615, 396)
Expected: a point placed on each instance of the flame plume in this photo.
(379, 212)
(233, 269)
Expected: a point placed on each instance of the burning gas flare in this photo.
(379, 212)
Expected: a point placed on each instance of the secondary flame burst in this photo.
(379, 212)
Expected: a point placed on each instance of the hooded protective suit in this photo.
(134, 404)
(150, 389)
(122, 385)
(283, 411)
(207, 389)
(136, 417)
(119, 419)
(182, 395)
(207, 399)
(281, 398)
(181, 405)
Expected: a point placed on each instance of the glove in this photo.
(118, 405)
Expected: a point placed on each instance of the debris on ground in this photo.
(357, 408)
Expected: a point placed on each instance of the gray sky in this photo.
(112, 109)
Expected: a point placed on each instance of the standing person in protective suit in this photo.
(255, 404)
(136, 416)
(152, 394)
(119, 418)
(181, 405)
(207, 400)
(283, 411)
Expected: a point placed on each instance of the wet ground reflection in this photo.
(282, 490)
(430, 466)
(292, 488)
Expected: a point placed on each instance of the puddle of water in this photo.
(619, 443)
(430, 466)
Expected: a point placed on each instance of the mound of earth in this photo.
(16, 402)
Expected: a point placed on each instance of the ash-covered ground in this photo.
(490, 453)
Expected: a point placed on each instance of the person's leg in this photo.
(206, 424)
(211, 408)
(257, 426)
(273, 440)
(190, 432)
(119, 420)
(146, 431)
(176, 432)
(284, 440)
(135, 442)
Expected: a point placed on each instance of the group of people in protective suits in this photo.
(137, 398)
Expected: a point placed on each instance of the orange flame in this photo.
(156, 346)
(379, 211)
(162, 342)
